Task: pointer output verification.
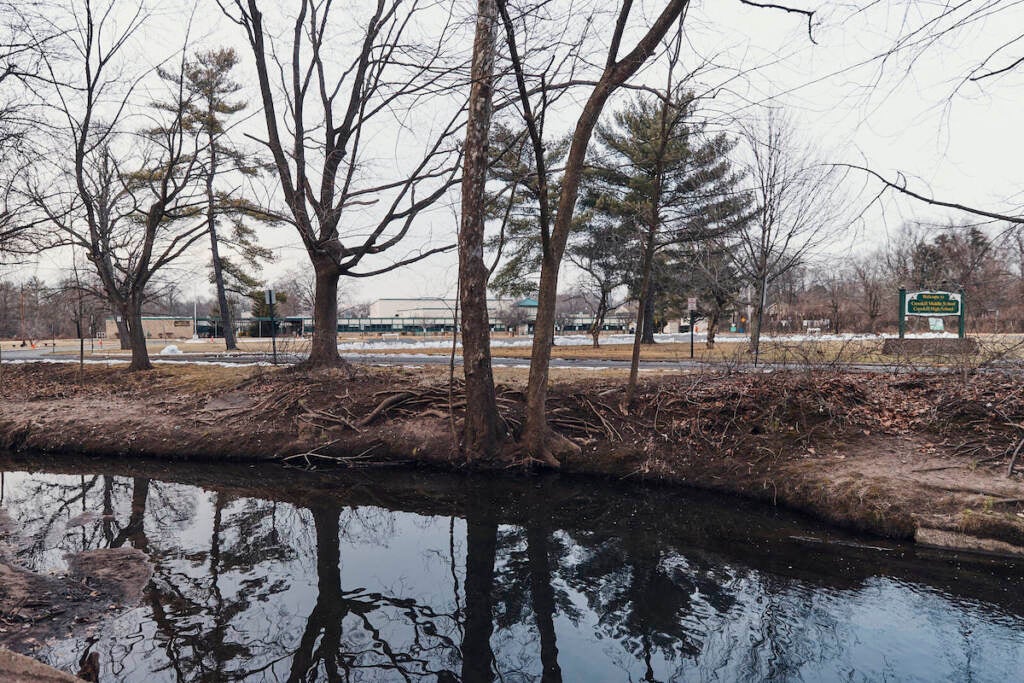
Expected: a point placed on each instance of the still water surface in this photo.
(265, 574)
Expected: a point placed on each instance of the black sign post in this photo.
(691, 304)
(270, 298)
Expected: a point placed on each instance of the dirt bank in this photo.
(906, 457)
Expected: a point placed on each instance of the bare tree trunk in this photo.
(132, 314)
(482, 420)
(757, 321)
(539, 440)
(122, 331)
(323, 350)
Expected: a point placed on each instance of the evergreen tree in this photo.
(234, 256)
(516, 206)
(668, 182)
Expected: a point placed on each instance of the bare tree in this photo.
(798, 207)
(872, 288)
(715, 281)
(319, 137)
(599, 250)
(24, 39)
(122, 198)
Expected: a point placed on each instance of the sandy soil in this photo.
(907, 457)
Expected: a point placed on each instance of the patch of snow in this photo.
(219, 364)
(170, 350)
(413, 344)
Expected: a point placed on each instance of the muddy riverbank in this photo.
(907, 456)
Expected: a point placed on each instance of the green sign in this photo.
(934, 303)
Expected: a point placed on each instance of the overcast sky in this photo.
(910, 114)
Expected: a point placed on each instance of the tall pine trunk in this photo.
(641, 313)
(218, 271)
(647, 337)
(482, 421)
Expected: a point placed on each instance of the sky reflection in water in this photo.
(267, 575)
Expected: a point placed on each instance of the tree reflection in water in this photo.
(424, 582)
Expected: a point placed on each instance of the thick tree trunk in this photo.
(132, 314)
(323, 350)
(122, 332)
(482, 420)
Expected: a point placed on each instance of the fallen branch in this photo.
(1013, 458)
(385, 405)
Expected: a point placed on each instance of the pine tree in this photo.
(208, 80)
(516, 207)
(668, 182)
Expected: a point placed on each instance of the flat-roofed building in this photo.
(157, 327)
(439, 307)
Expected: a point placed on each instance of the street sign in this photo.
(270, 297)
(932, 303)
(691, 303)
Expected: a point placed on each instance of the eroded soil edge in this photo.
(909, 457)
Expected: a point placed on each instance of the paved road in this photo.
(30, 355)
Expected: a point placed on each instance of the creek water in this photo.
(267, 574)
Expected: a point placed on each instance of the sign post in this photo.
(962, 327)
(691, 306)
(903, 311)
(271, 299)
(932, 304)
